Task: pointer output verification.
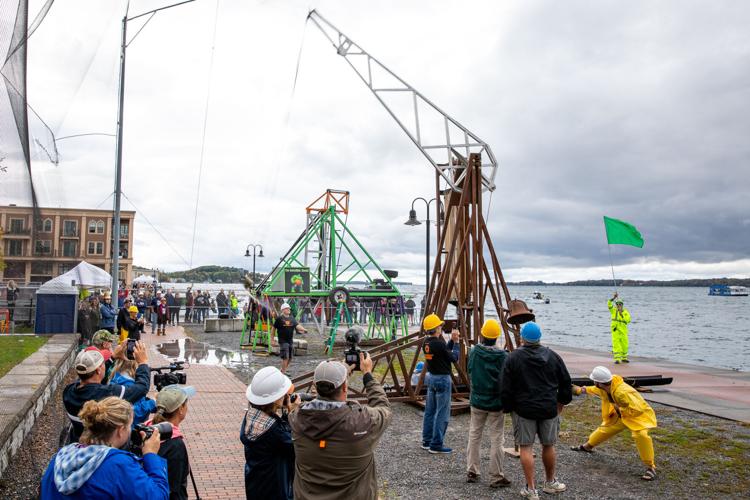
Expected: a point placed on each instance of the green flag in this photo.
(621, 233)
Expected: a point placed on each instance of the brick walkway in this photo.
(212, 425)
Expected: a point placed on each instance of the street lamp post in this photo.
(413, 221)
(118, 158)
(260, 254)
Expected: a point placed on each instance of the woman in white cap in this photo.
(172, 407)
(267, 437)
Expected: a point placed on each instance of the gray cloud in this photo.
(636, 111)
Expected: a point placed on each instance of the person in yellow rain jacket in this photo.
(619, 327)
(622, 408)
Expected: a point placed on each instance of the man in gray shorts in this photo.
(536, 387)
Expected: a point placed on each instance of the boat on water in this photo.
(539, 298)
(728, 291)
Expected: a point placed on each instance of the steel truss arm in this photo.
(440, 154)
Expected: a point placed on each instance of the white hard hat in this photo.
(267, 386)
(285, 306)
(601, 374)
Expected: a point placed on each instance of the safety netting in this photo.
(24, 136)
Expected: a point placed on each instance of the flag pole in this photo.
(609, 251)
(614, 281)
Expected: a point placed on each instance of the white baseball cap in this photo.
(88, 361)
(285, 306)
(333, 372)
(267, 386)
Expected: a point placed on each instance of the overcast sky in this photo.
(634, 110)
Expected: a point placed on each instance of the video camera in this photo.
(353, 337)
(136, 441)
(161, 380)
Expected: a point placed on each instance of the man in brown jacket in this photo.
(335, 439)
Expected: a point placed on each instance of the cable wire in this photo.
(203, 140)
(271, 190)
(178, 254)
(104, 200)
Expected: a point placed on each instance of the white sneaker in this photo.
(553, 487)
(530, 494)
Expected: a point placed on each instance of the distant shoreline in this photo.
(667, 283)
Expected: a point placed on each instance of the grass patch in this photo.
(14, 349)
(714, 451)
(382, 365)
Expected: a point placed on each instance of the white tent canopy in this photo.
(85, 274)
(53, 287)
(143, 279)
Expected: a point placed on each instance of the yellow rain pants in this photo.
(642, 440)
(619, 327)
(624, 409)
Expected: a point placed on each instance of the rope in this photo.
(271, 191)
(155, 229)
(203, 139)
(489, 204)
(104, 200)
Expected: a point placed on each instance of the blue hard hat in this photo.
(531, 332)
(420, 365)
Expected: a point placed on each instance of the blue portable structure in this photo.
(56, 308)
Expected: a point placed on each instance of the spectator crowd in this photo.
(121, 443)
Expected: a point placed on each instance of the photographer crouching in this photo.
(335, 439)
(91, 386)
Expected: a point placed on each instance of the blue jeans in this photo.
(437, 410)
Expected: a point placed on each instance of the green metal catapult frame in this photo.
(341, 260)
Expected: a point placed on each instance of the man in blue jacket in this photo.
(89, 366)
(108, 313)
(536, 386)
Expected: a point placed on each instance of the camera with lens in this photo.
(136, 440)
(353, 337)
(130, 349)
(173, 376)
(302, 396)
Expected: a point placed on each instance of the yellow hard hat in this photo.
(491, 329)
(431, 321)
(133, 309)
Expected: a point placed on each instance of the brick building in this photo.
(65, 237)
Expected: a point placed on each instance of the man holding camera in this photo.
(439, 356)
(285, 326)
(90, 368)
(335, 439)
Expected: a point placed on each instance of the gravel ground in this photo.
(612, 473)
(21, 479)
(697, 456)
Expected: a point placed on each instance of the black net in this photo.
(24, 137)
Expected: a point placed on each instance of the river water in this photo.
(681, 324)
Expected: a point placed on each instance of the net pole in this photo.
(118, 166)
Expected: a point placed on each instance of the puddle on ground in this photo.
(194, 352)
